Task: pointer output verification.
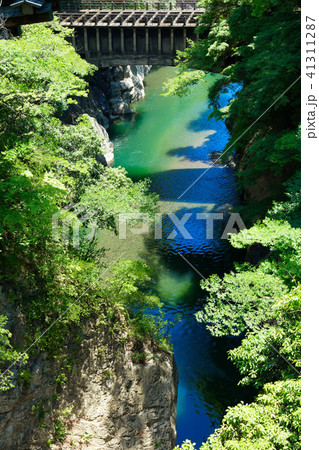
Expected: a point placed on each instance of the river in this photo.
(169, 141)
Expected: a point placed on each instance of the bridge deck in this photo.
(110, 33)
(131, 18)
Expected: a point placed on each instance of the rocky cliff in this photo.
(105, 393)
(126, 86)
(111, 91)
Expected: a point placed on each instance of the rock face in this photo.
(126, 87)
(111, 91)
(118, 396)
(216, 158)
(107, 158)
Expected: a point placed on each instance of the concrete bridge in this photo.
(120, 33)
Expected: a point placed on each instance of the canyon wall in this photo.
(111, 91)
(105, 393)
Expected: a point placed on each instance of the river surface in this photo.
(169, 141)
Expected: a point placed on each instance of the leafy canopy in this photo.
(49, 170)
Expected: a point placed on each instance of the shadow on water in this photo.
(214, 141)
(169, 141)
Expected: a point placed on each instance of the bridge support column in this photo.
(159, 41)
(122, 42)
(134, 41)
(172, 41)
(147, 41)
(110, 41)
(98, 46)
(184, 39)
(86, 43)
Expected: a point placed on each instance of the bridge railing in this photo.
(78, 5)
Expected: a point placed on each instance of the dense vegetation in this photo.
(49, 170)
(256, 43)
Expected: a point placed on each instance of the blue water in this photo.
(169, 141)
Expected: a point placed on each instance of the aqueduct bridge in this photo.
(120, 33)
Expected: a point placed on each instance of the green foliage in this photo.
(61, 379)
(8, 356)
(40, 410)
(108, 374)
(181, 84)
(25, 377)
(130, 283)
(60, 425)
(49, 174)
(240, 301)
(147, 325)
(139, 358)
(274, 351)
(129, 288)
(271, 422)
(40, 72)
(85, 438)
(290, 209)
(115, 193)
(284, 243)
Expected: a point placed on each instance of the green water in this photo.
(169, 141)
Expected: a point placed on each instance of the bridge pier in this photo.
(110, 41)
(98, 46)
(184, 38)
(108, 46)
(86, 45)
(172, 40)
(159, 41)
(134, 41)
(147, 41)
(122, 42)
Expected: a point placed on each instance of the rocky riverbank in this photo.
(112, 399)
(111, 91)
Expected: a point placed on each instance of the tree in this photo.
(239, 301)
(273, 352)
(271, 422)
(8, 356)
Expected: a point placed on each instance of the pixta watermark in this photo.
(143, 225)
(67, 225)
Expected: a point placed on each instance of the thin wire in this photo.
(253, 328)
(239, 137)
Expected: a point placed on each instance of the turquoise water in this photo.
(169, 141)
